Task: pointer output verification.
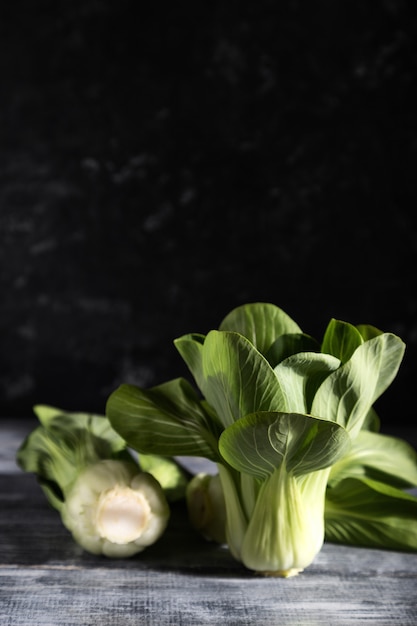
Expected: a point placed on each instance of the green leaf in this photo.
(57, 420)
(63, 445)
(379, 457)
(372, 421)
(190, 348)
(364, 512)
(301, 375)
(259, 443)
(238, 380)
(167, 420)
(172, 478)
(46, 414)
(289, 344)
(341, 340)
(368, 332)
(262, 323)
(347, 394)
(50, 459)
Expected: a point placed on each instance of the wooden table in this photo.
(47, 580)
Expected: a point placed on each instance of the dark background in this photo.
(162, 163)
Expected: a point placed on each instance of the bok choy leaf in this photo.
(365, 512)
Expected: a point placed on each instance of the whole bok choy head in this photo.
(276, 410)
(106, 500)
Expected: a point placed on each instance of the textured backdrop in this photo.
(162, 164)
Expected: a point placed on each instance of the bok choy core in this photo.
(106, 501)
(290, 422)
(114, 509)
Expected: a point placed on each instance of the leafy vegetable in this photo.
(288, 420)
(109, 504)
(288, 456)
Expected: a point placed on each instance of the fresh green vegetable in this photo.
(288, 420)
(206, 506)
(109, 504)
(365, 502)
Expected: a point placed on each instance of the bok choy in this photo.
(105, 499)
(291, 424)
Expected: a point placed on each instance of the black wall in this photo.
(162, 163)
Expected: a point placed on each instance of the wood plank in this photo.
(119, 595)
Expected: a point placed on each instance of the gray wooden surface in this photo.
(46, 579)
